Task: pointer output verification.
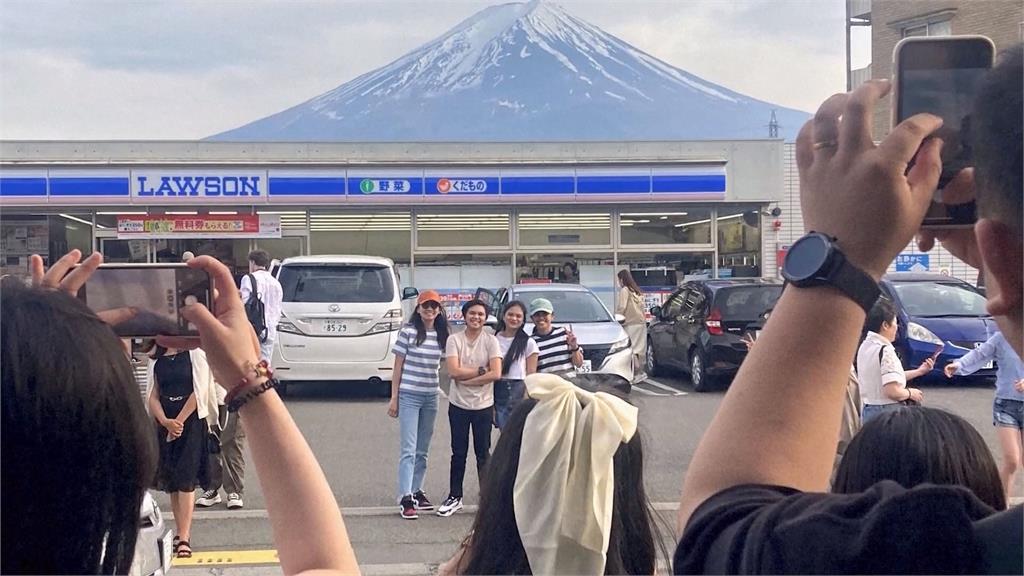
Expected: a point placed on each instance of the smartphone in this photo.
(940, 75)
(156, 293)
(938, 350)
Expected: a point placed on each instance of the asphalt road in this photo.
(357, 446)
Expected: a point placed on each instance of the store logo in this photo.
(444, 185)
(334, 308)
(472, 186)
(199, 186)
(371, 186)
(366, 186)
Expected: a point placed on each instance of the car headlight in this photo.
(619, 346)
(917, 332)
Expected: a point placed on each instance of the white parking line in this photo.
(645, 391)
(675, 391)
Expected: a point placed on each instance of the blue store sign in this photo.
(912, 263)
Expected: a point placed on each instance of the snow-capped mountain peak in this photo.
(523, 71)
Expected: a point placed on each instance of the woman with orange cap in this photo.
(414, 390)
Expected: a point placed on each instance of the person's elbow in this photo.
(894, 391)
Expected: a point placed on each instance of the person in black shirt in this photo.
(753, 498)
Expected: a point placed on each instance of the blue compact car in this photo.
(935, 309)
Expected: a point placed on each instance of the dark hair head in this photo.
(914, 445)
(626, 277)
(882, 312)
(495, 546)
(440, 326)
(997, 132)
(78, 449)
(475, 302)
(260, 258)
(518, 346)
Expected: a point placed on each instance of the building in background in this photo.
(453, 217)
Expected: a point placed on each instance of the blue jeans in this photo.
(872, 410)
(1008, 413)
(508, 394)
(416, 415)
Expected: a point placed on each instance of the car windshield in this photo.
(336, 283)
(571, 305)
(940, 299)
(746, 302)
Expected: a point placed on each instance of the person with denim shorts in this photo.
(1008, 407)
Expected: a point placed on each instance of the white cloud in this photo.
(114, 70)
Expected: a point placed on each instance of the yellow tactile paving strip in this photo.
(226, 557)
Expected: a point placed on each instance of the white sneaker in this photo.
(208, 498)
(234, 501)
(450, 506)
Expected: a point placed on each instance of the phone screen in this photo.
(157, 293)
(941, 76)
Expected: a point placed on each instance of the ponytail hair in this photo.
(519, 341)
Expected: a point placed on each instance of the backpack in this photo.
(256, 311)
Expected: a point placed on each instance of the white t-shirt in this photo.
(475, 354)
(517, 371)
(269, 290)
(873, 375)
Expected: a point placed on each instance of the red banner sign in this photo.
(199, 226)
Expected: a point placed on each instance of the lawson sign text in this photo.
(198, 185)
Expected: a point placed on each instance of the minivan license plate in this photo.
(334, 327)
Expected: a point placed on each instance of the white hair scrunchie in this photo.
(565, 483)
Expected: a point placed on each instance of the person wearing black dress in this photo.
(181, 434)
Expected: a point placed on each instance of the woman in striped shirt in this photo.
(414, 388)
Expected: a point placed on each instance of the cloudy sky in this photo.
(189, 69)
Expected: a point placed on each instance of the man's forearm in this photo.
(778, 426)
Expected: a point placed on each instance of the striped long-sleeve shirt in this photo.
(422, 361)
(554, 352)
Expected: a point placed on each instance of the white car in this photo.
(340, 318)
(607, 354)
(153, 547)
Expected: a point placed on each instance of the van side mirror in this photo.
(409, 293)
(656, 311)
(620, 318)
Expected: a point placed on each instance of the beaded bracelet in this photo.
(249, 394)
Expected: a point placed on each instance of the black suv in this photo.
(700, 327)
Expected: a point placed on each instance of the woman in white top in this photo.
(883, 382)
(519, 359)
(631, 305)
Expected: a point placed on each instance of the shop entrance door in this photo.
(124, 251)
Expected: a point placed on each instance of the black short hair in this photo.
(475, 302)
(78, 449)
(260, 258)
(914, 445)
(997, 130)
(881, 313)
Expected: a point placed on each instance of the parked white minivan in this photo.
(340, 317)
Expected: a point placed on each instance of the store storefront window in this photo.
(49, 235)
(456, 277)
(659, 274)
(739, 242)
(384, 234)
(559, 229)
(595, 271)
(691, 225)
(462, 229)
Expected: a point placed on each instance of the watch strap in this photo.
(854, 282)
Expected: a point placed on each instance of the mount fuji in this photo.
(524, 72)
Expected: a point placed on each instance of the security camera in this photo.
(775, 212)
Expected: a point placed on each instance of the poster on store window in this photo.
(200, 226)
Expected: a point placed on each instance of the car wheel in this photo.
(698, 372)
(651, 365)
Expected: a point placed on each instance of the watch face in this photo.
(805, 258)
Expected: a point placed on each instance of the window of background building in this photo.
(385, 234)
(48, 235)
(547, 229)
(456, 277)
(452, 230)
(659, 274)
(595, 271)
(689, 226)
(739, 241)
(937, 28)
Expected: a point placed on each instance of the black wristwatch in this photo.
(815, 260)
(481, 371)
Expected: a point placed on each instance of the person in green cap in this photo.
(559, 350)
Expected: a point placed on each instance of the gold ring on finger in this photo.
(825, 144)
